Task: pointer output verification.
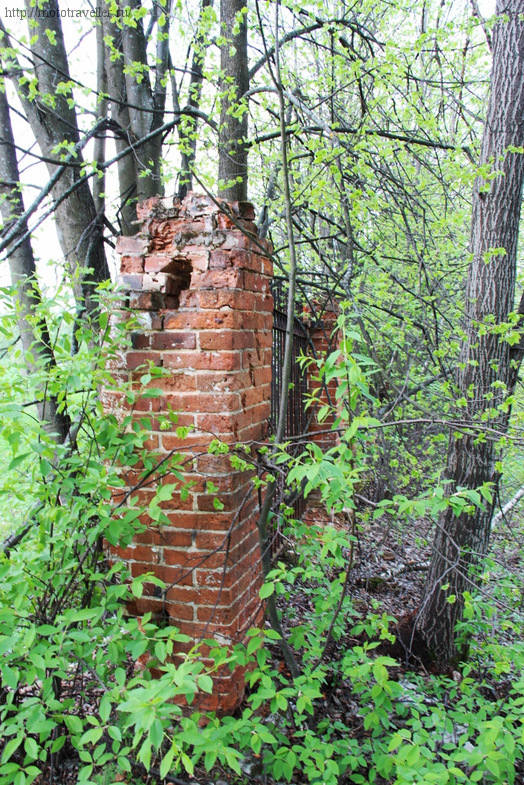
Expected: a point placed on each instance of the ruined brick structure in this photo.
(198, 283)
(325, 339)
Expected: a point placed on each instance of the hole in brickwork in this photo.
(179, 272)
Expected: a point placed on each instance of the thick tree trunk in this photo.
(488, 365)
(232, 138)
(34, 335)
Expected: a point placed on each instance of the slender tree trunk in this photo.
(120, 115)
(146, 103)
(137, 107)
(232, 138)
(262, 523)
(34, 335)
(488, 366)
(79, 232)
(187, 136)
(99, 183)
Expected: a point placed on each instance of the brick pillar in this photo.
(325, 339)
(200, 289)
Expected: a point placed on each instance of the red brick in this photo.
(218, 340)
(238, 300)
(149, 537)
(187, 299)
(218, 381)
(172, 442)
(188, 561)
(262, 376)
(178, 502)
(146, 208)
(218, 615)
(202, 320)
(170, 340)
(183, 419)
(249, 261)
(253, 282)
(140, 405)
(211, 541)
(177, 538)
(252, 396)
(140, 340)
(200, 595)
(263, 303)
(146, 301)
(208, 402)
(178, 611)
(224, 222)
(179, 320)
(263, 339)
(205, 361)
(142, 553)
(258, 432)
(132, 264)
(220, 260)
(131, 246)
(218, 279)
(176, 382)
(220, 423)
(198, 257)
(235, 239)
(242, 210)
(213, 465)
(234, 337)
(157, 264)
(260, 412)
(196, 520)
(268, 268)
(144, 605)
(230, 501)
(171, 575)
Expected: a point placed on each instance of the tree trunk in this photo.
(488, 366)
(188, 136)
(232, 138)
(34, 335)
(137, 108)
(53, 122)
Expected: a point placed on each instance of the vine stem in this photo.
(272, 609)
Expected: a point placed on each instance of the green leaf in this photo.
(11, 747)
(17, 461)
(31, 748)
(205, 683)
(167, 761)
(266, 590)
(74, 724)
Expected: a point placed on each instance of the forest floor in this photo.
(389, 568)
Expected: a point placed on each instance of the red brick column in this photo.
(199, 286)
(325, 339)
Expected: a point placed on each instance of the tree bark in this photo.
(33, 330)
(53, 121)
(137, 107)
(187, 137)
(232, 138)
(488, 366)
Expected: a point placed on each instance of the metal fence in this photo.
(296, 416)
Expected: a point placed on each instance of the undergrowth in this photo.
(68, 652)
